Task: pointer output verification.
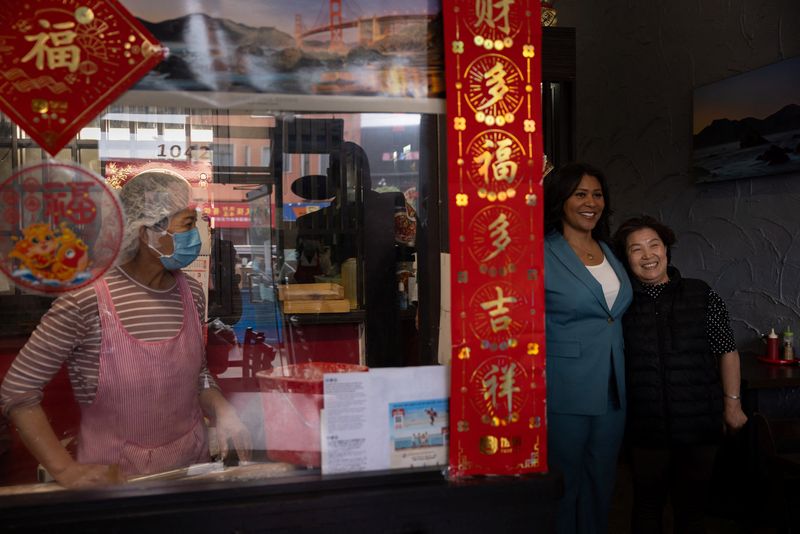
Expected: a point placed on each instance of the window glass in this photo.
(308, 256)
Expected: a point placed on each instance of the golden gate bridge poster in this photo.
(301, 47)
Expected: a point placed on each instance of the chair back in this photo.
(257, 355)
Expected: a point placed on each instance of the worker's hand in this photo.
(77, 475)
(231, 430)
(734, 416)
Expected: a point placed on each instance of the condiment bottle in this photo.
(788, 344)
(772, 345)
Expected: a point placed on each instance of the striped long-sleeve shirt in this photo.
(70, 332)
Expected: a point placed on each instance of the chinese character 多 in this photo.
(498, 231)
(496, 82)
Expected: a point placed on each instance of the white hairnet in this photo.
(148, 198)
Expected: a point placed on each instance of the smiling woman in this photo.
(586, 292)
(583, 209)
(647, 253)
(679, 326)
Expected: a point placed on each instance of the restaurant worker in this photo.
(133, 345)
(586, 290)
(683, 380)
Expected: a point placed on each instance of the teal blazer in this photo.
(584, 337)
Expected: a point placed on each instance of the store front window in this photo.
(314, 230)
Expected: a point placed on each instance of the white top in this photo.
(605, 274)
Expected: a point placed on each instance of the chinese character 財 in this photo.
(485, 11)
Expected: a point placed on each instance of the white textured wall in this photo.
(638, 62)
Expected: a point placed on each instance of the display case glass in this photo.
(310, 226)
(322, 230)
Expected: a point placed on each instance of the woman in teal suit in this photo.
(586, 291)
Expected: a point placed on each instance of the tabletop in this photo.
(760, 375)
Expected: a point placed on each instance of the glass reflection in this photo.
(309, 227)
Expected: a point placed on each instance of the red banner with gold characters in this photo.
(63, 61)
(495, 162)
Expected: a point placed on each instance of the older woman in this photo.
(586, 292)
(133, 344)
(683, 379)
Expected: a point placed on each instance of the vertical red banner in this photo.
(495, 162)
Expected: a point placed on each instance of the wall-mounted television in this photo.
(748, 125)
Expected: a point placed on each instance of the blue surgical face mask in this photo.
(186, 248)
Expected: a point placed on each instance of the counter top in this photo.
(211, 472)
(414, 500)
(760, 375)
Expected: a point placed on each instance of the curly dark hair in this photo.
(559, 186)
(634, 224)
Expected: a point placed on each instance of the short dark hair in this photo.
(634, 224)
(560, 185)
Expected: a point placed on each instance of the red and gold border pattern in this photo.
(493, 75)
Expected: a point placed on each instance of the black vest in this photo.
(673, 381)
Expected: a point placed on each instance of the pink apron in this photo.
(146, 415)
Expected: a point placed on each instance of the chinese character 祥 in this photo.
(490, 12)
(499, 383)
(498, 231)
(498, 314)
(54, 48)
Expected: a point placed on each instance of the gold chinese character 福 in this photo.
(54, 48)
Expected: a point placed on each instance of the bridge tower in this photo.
(298, 31)
(337, 38)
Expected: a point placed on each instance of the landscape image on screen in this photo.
(748, 125)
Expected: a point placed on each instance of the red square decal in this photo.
(63, 61)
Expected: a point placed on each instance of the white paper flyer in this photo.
(385, 418)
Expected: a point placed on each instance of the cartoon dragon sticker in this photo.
(50, 256)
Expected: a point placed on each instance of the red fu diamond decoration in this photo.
(63, 61)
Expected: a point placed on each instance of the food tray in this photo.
(316, 306)
(319, 291)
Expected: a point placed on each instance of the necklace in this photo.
(576, 248)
